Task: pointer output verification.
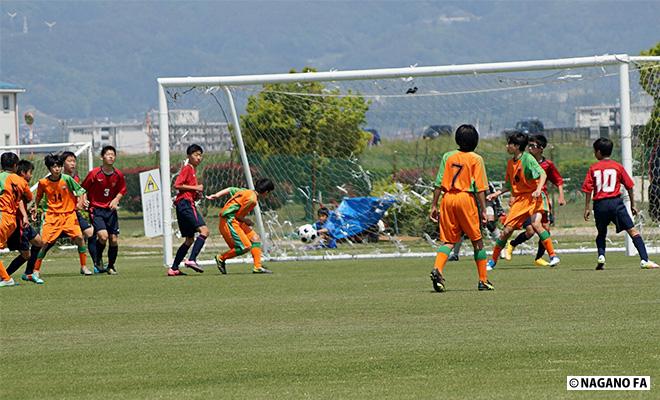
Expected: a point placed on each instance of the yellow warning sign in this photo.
(151, 185)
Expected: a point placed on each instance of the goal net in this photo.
(325, 143)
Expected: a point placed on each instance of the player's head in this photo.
(602, 148)
(536, 144)
(54, 164)
(69, 160)
(517, 141)
(323, 214)
(108, 154)
(264, 185)
(9, 161)
(25, 168)
(467, 137)
(194, 152)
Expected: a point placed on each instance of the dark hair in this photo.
(193, 148)
(24, 166)
(323, 211)
(519, 139)
(264, 185)
(467, 137)
(604, 145)
(67, 154)
(539, 139)
(105, 149)
(52, 160)
(8, 160)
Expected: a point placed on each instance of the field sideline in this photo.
(343, 329)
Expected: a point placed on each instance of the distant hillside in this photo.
(102, 58)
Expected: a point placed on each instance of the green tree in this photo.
(649, 79)
(294, 119)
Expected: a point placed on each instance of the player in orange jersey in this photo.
(525, 179)
(462, 182)
(13, 191)
(236, 228)
(63, 197)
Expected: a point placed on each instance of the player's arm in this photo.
(555, 177)
(24, 214)
(539, 186)
(219, 194)
(40, 194)
(587, 188)
(481, 198)
(587, 206)
(122, 191)
(497, 194)
(434, 214)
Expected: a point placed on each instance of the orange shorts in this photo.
(238, 235)
(56, 224)
(523, 207)
(7, 227)
(459, 215)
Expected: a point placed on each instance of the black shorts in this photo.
(20, 239)
(104, 219)
(188, 218)
(612, 210)
(84, 225)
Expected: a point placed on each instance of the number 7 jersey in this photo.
(604, 179)
(462, 171)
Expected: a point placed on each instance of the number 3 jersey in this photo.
(462, 171)
(604, 179)
(102, 188)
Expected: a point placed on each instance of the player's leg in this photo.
(454, 256)
(623, 221)
(522, 237)
(82, 254)
(88, 235)
(97, 216)
(236, 239)
(450, 233)
(200, 226)
(517, 215)
(545, 238)
(112, 223)
(37, 244)
(255, 250)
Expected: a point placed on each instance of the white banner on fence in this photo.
(152, 203)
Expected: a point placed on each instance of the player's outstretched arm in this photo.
(218, 194)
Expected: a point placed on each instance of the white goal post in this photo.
(226, 82)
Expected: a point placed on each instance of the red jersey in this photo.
(102, 188)
(604, 179)
(552, 173)
(187, 177)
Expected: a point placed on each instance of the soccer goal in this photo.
(328, 137)
(35, 153)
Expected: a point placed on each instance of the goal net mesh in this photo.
(323, 142)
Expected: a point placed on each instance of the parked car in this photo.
(433, 131)
(529, 126)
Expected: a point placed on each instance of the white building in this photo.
(141, 137)
(601, 119)
(9, 113)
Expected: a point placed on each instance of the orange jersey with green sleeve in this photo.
(240, 204)
(60, 194)
(13, 189)
(462, 171)
(522, 175)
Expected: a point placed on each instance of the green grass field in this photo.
(329, 330)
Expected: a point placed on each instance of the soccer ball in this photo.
(307, 233)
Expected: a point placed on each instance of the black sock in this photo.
(600, 245)
(91, 247)
(180, 254)
(112, 256)
(100, 248)
(34, 252)
(641, 248)
(15, 264)
(540, 251)
(520, 239)
(197, 247)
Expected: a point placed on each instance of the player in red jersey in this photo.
(604, 180)
(537, 144)
(105, 186)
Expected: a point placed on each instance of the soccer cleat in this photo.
(221, 265)
(261, 270)
(485, 285)
(554, 261)
(111, 271)
(192, 264)
(600, 263)
(174, 272)
(452, 257)
(508, 251)
(490, 265)
(85, 271)
(648, 265)
(99, 270)
(8, 283)
(438, 280)
(541, 263)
